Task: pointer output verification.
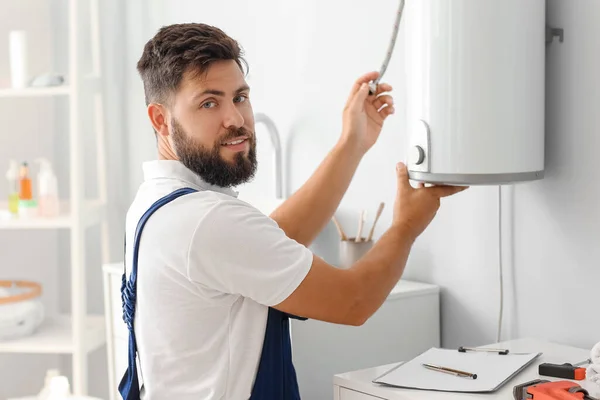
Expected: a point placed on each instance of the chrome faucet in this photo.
(275, 141)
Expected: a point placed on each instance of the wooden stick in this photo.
(379, 211)
(360, 226)
(339, 229)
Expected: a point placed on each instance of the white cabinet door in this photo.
(347, 394)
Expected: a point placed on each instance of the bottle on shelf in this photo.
(27, 205)
(48, 205)
(17, 49)
(12, 175)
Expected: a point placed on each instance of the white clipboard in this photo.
(493, 371)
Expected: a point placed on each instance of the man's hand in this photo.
(364, 115)
(415, 208)
(307, 211)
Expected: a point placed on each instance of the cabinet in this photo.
(357, 385)
(407, 324)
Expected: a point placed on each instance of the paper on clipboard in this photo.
(492, 369)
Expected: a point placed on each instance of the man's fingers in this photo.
(381, 100)
(445, 191)
(382, 88)
(387, 111)
(360, 97)
(402, 175)
(366, 78)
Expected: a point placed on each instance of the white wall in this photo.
(553, 274)
(303, 58)
(558, 229)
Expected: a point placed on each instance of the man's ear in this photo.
(158, 117)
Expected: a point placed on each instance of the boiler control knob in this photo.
(417, 155)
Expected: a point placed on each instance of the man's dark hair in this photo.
(178, 49)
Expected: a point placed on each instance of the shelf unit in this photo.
(93, 213)
(78, 333)
(35, 92)
(55, 336)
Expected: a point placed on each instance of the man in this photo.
(212, 282)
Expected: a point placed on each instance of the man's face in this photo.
(212, 125)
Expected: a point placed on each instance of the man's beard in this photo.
(208, 164)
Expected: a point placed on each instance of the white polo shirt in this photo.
(209, 266)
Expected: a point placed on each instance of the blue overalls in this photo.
(276, 376)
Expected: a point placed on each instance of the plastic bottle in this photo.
(59, 388)
(25, 192)
(50, 374)
(17, 50)
(56, 387)
(27, 206)
(12, 175)
(47, 190)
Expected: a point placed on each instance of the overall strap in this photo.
(276, 375)
(129, 386)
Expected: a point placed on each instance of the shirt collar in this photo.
(172, 169)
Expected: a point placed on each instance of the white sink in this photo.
(268, 203)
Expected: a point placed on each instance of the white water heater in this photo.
(475, 90)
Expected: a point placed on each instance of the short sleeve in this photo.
(237, 249)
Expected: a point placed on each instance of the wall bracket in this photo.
(551, 33)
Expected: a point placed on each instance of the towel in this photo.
(593, 373)
(593, 370)
(595, 354)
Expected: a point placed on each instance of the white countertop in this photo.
(554, 353)
(405, 288)
(113, 268)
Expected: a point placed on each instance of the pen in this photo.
(463, 349)
(451, 371)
